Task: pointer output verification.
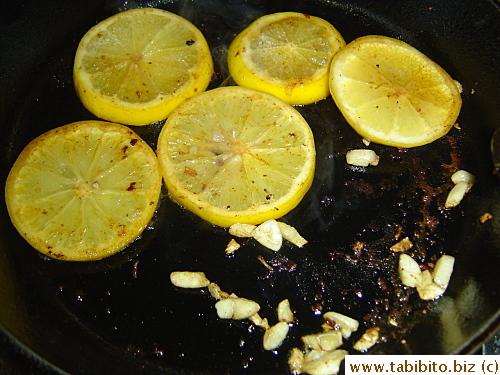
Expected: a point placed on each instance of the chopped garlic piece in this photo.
(403, 245)
(241, 230)
(274, 336)
(225, 308)
(187, 279)
(485, 217)
(327, 364)
(269, 234)
(429, 285)
(443, 270)
(285, 313)
(329, 341)
(324, 341)
(244, 308)
(264, 263)
(427, 289)
(236, 308)
(291, 234)
(347, 325)
(295, 361)
(463, 176)
(362, 158)
(232, 246)
(409, 271)
(216, 292)
(463, 183)
(369, 338)
(259, 321)
(456, 194)
(312, 355)
(311, 342)
(366, 142)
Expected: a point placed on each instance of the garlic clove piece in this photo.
(427, 289)
(236, 308)
(269, 234)
(188, 279)
(456, 194)
(274, 336)
(259, 321)
(295, 361)
(463, 176)
(443, 270)
(244, 308)
(362, 158)
(347, 325)
(409, 271)
(284, 311)
(327, 364)
(216, 292)
(242, 230)
(367, 340)
(403, 245)
(311, 342)
(291, 234)
(329, 341)
(225, 308)
(232, 246)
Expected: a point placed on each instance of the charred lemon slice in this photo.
(392, 94)
(83, 191)
(136, 66)
(286, 54)
(237, 155)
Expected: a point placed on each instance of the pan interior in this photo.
(124, 312)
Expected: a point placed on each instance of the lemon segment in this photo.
(83, 191)
(135, 67)
(236, 155)
(392, 94)
(286, 54)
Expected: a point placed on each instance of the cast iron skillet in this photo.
(122, 315)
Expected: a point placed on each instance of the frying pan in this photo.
(122, 315)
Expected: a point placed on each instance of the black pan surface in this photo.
(122, 315)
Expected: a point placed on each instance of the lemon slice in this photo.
(136, 66)
(236, 155)
(392, 94)
(83, 191)
(286, 54)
